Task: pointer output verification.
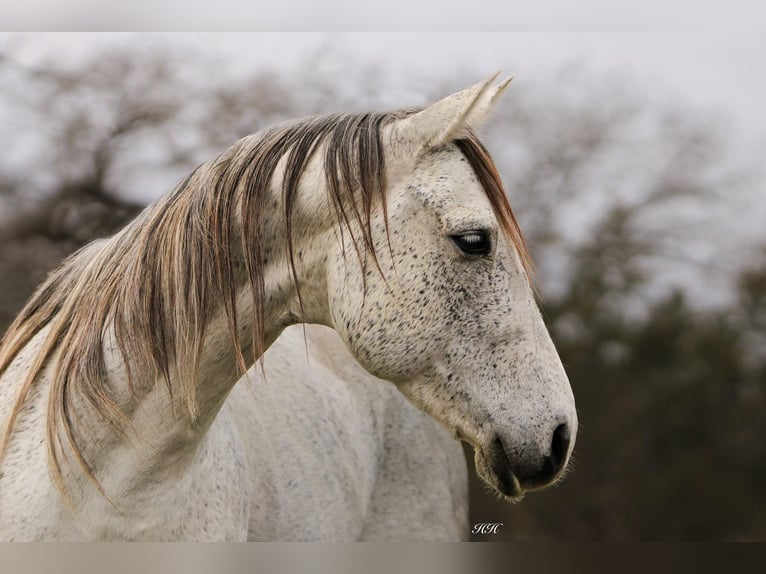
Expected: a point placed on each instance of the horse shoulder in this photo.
(205, 502)
(422, 491)
(311, 445)
(30, 505)
(420, 487)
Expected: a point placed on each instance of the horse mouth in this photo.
(497, 473)
(494, 468)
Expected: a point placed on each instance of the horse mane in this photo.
(158, 282)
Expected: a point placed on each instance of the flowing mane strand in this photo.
(157, 283)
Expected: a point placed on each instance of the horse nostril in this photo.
(532, 470)
(554, 461)
(559, 447)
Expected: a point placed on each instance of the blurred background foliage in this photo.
(659, 317)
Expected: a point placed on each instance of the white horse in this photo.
(391, 228)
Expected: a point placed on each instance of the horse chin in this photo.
(500, 478)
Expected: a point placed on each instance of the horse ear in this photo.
(447, 119)
(479, 113)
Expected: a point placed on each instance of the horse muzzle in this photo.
(516, 467)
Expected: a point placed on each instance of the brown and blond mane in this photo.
(156, 284)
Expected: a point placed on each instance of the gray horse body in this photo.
(336, 454)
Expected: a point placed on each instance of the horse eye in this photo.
(473, 242)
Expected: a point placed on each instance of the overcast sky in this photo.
(720, 73)
(409, 15)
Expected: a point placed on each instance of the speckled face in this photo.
(453, 322)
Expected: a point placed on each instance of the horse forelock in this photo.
(157, 283)
(485, 169)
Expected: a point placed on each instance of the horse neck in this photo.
(160, 415)
(283, 305)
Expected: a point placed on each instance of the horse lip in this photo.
(463, 437)
(506, 481)
(494, 470)
(498, 474)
